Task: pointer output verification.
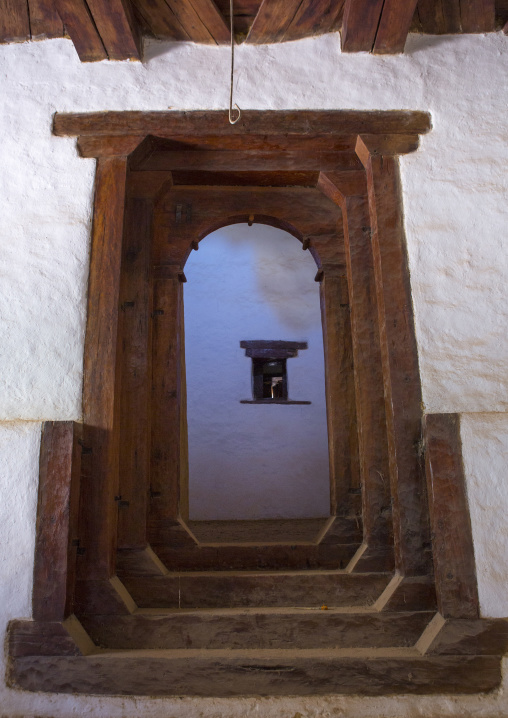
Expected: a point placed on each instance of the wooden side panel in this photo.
(100, 384)
(45, 21)
(272, 20)
(14, 22)
(314, 17)
(399, 357)
(439, 17)
(360, 23)
(452, 539)
(57, 514)
(79, 24)
(372, 432)
(160, 19)
(394, 26)
(340, 401)
(213, 20)
(117, 27)
(135, 304)
(478, 15)
(191, 21)
(166, 402)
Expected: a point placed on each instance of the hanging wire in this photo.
(231, 106)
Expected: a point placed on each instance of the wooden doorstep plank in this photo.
(360, 24)
(45, 21)
(394, 26)
(99, 514)
(191, 21)
(257, 122)
(57, 518)
(478, 15)
(160, 19)
(314, 17)
(14, 21)
(272, 20)
(118, 29)
(439, 17)
(452, 538)
(213, 20)
(79, 24)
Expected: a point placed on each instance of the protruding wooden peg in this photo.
(319, 275)
(195, 245)
(250, 221)
(305, 243)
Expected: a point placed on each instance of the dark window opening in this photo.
(269, 370)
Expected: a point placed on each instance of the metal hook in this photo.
(232, 107)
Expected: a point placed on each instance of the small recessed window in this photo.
(269, 370)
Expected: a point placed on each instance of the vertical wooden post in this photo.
(452, 539)
(56, 536)
(135, 303)
(167, 386)
(99, 486)
(402, 390)
(340, 404)
(368, 375)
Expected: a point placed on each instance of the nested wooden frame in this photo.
(371, 293)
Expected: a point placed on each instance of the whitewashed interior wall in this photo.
(455, 190)
(252, 461)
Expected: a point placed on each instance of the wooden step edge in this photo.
(266, 654)
(464, 636)
(256, 573)
(368, 610)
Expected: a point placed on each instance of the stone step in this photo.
(229, 589)
(218, 672)
(257, 628)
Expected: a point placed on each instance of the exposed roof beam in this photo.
(160, 19)
(81, 28)
(117, 27)
(14, 23)
(213, 20)
(314, 17)
(272, 20)
(478, 15)
(394, 26)
(45, 21)
(360, 24)
(191, 22)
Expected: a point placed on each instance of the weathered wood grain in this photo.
(45, 21)
(117, 27)
(246, 179)
(439, 17)
(360, 23)
(478, 15)
(80, 26)
(256, 122)
(56, 534)
(118, 145)
(191, 21)
(394, 26)
(284, 672)
(402, 388)
(213, 20)
(485, 637)
(160, 19)
(14, 21)
(452, 539)
(313, 17)
(38, 638)
(272, 20)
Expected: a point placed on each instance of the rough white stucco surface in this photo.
(250, 461)
(455, 208)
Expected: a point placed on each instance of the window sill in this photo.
(272, 401)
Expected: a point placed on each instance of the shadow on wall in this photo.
(251, 461)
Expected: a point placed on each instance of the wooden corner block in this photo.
(104, 146)
(340, 185)
(385, 145)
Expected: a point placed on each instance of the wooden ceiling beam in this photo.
(81, 28)
(118, 28)
(242, 179)
(45, 22)
(360, 24)
(439, 17)
(191, 21)
(213, 20)
(14, 21)
(478, 15)
(160, 19)
(272, 20)
(394, 26)
(314, 17)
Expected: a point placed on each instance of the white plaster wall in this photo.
(455, 206)
(249, 461)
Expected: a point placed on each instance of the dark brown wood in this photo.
(247, 179)
(213, 20)
(439, 17)
(243, 673)
(191, 21)
(452, 539)
(148, 185)
(256, 122)
(478, 15)
(272, 20)
(240, 629)
(98, 522)
(360, 24)
(80, 26)
(108, 146)
(135, 303)
(118, 29)
(414, 593)
(37, 638)
(14, 22)
(314, 17)
(394, 26)
(160, 19)
(402, 389)
(485, 637)
(390, 144)
(56, 536)
(339, 387)
(45, 21)
(166, 402)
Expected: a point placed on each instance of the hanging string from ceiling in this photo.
(233, 120)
